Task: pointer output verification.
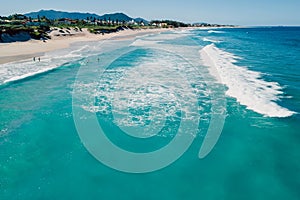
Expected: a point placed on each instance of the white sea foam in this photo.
(140, 42)
(183, 32)
(245, 85)
(166, 36)
(27, 75)
(14, 71)
(205, 39)
(214, 31)
(162, 83)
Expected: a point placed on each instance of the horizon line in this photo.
(123, 12)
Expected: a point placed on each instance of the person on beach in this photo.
(39, 59)
(34, 59)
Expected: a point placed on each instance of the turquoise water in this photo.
(155, 78)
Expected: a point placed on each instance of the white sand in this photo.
(22, 50)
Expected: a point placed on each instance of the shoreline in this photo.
(16, 58)
(18, 51)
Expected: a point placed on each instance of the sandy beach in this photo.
(17, 51)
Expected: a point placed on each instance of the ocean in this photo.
(183, 114)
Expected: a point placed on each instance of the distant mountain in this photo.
(116, 16)
(53, 14)
(141, 20)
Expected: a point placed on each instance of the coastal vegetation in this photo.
(19, 27)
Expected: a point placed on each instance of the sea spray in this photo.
(246, 86)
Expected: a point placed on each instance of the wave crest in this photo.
(246, 86)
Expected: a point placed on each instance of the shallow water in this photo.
(154, 84)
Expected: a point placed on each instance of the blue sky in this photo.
(242, 12)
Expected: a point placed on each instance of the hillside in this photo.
(53, 14)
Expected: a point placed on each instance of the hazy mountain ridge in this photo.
(53, 14)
